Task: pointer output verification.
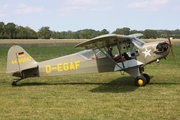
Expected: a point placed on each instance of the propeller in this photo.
(170, 45)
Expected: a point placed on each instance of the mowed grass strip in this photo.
(104, 96)
(39, 41)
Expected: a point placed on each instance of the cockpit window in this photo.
(137, 42)
(90, 54)
(99, 53)
(87, 54)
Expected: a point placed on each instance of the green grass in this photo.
(104, 96)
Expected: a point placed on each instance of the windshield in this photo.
(137, 42)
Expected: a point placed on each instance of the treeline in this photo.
(13, 31)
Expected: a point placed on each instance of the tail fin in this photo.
(18, 60)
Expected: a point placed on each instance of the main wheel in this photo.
(140, 81)
(147, 78)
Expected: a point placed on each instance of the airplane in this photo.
(93, 59)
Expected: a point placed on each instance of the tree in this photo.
(176, 33)
(10, 30)
(31, 34)
(21, 33)
(1, 29)
(44, 33)
(5, 35)
(104, 31)
(85, 34)
(122, 31)
(69, 34)
(1, 26)
(149, 34)
(25, 33)
(134, 31)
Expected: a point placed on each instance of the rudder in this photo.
(18, 60)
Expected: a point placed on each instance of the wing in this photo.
(106, 40)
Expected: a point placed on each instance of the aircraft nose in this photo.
(161, 47)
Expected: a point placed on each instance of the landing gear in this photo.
(140, 81)
(147, 77)
(14, 83)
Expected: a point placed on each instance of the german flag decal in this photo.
(20, 54)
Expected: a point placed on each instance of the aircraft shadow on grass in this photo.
(122, 84)
(165, 83)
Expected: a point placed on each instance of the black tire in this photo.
(147, 78)
(140, 81)
(14, 84)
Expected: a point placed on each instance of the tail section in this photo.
(20, 63)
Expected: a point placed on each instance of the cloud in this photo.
(80, 2)
(176, 8)
(2, 9)
(68, 10)
(4, 6)
(108, 8)
(152, 4)
(79, 6)
(24, 9)
(3, 15)
(22, 5)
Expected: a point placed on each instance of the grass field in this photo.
(105, 96)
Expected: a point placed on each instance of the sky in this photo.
(74, 15)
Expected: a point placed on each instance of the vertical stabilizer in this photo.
(18, 60)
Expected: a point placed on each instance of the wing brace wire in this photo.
(110, 58)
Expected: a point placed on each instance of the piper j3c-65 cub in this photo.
(106, 53)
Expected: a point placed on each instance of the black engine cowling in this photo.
(161, 47)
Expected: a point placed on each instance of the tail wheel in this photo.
(140, 81)
(14, 83)
(147, 78)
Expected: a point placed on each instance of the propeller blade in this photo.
(170, 45)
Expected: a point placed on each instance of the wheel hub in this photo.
(140, 82)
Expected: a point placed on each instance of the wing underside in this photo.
(106, 40)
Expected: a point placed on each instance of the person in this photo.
(109, 52)
(117, 58)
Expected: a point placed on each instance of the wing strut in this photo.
(120, 55)
(110, 58)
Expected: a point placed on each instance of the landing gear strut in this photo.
(14, 83)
